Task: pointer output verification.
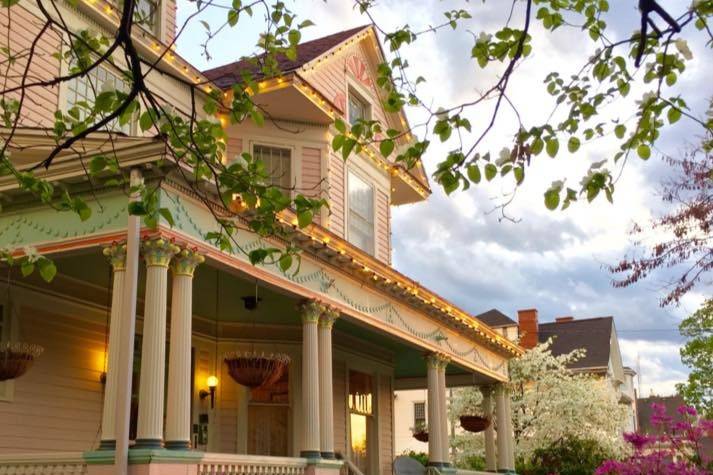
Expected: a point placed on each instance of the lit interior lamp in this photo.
(212, 383)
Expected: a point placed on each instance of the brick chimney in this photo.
(527, 324)
(564, 319)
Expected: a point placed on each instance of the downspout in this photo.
(128, 326)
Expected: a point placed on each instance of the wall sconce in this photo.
(212, 383)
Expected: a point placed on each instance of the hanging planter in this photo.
(255, 370)
(421, 435)
(16, 358)
(474, 423)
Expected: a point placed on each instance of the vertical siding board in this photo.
(340, 411)
(386, 401)
(383, 238)
(337, 196)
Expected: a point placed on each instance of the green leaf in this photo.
(519, 173)
(386, 147)
(552, 198)
(47, 269)
(27, 268)
(619, 131)
(552, 147)
(573, 144)
(490, 171)
(644, 151)
(285, 262)
(673, 115)
(474, 173)
(304, 218)
(167, 215)
(340, 126)
(337, 142)
(97, 164)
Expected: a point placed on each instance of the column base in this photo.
(177, 445)
(148, 444)
(311, 454)
(328, 455)
(107, 445)
(438, 464)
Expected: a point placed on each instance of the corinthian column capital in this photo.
(328, 317)
(437, 360)
(116, 254)
(186, 261)
(310, 310)
(158, 251)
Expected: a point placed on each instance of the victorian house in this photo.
(160, 353)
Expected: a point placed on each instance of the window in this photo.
(361, 213)
(358, 108)
(85, 89)
(278, 165)
(145, 14)
(419, 415)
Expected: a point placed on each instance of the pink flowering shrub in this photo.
(675, 450)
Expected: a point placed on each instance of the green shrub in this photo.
(420, 456)
(471, 462)
(570, 456)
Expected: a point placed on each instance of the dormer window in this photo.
(358, 108)
(361, 213)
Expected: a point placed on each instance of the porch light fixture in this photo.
(212, 383)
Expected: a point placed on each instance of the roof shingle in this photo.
(495, 318)
(592, 334)
(229, 74)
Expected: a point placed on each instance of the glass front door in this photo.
(361, 419)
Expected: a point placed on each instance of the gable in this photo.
(593, 335)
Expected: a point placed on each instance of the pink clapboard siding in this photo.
(337, 193)
(57, 405)
(383, 231)
(234, 147)
(40, 102)
(311, 172)
(170, 12)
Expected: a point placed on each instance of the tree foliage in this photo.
(582, 105)
(697, 354)
(550, 403)
(681, 238)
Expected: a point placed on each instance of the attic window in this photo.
(278, 165)
(358, 108)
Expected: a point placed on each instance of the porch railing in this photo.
(230, 464)
(58, 463)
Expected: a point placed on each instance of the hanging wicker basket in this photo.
(16, 358)
(255, 370)
(474, 423)
(421, 435)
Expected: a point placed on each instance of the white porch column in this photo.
(310, 312)
(435, 434)
(178, 407)
(504, 434)
(326, 392)
(157, 253)
(116, 253)
(443, 410)
(509, 431)
(489, 434)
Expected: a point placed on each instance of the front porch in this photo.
(352, 338)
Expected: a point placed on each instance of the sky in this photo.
(456, 245)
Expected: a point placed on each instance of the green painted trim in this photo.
(144, 456)
(325, 463)
(99, 457)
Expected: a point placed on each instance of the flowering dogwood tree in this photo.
(551, 403)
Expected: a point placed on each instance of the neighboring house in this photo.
(598, 337)
(410, 406)
(671, 403)
(72, 409)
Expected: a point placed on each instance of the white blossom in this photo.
(647, 98)
(682, 47)
(483, 38)
(503, 157)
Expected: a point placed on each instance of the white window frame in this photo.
(425, 413)
(347, 201)
(294, 180)
(354, 90)
(64, 95)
